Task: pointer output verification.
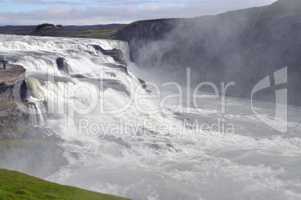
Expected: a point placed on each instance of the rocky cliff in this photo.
(241, 46)
(12, 90)
(143, 32)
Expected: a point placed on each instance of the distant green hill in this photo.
(18, 186)
(91, 31)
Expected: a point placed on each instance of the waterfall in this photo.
(35, 103)
(56, 68)
(36, 114)
(116, 139)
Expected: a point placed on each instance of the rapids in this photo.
(117, 143)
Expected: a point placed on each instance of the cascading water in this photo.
(36, 116)
(117, 143)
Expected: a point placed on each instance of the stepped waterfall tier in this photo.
(90, 121)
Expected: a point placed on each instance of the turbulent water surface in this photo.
(126, 149)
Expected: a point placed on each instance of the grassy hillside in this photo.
(92, 31)
(17, 186)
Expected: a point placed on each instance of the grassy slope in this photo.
(17, 186)
(96, 31)
(102, 34)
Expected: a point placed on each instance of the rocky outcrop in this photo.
(122, 68)
(12, 89)
(9, 78)
(144, 85)
(62, 65)
(11, 75)
(116, 54)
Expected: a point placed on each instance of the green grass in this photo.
(103, 34)
(18, 186)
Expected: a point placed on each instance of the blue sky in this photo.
(111, 11)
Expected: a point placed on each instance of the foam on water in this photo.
(145, 155)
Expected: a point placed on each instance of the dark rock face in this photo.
(62, 65)
(23, 91)
(122, 68)
(116, 54)
(144, 85)
(241, 46)
(105, 83)
(140, 33)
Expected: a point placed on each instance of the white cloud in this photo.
(106, 11)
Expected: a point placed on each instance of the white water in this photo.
(142, 159)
